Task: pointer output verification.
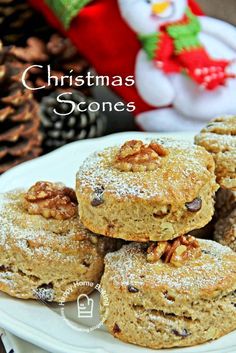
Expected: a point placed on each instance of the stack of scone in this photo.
(165, 287)
(219, 138)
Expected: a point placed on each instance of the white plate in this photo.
(36, 322)
(17, 345)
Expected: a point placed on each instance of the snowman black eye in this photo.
(148, 1)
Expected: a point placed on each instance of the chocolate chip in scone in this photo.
(184, 333)
(5, 268)
(97, 201)
(97, 198)
(168, 296)
(195, 205)
(46, 286)
(86, 263)
(116, 328)
(132, 289)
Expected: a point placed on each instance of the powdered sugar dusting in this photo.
(129, 266)
(184, 165)
(216, 142)
(225, 125)
(219, 135)
(7, 278)
(20, 230)
(44, 294)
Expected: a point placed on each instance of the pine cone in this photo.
(61, 129)
(59, 53)
(18, 19)
(19, 119)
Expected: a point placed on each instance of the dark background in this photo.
(223, 9)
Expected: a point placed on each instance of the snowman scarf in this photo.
(176, 48)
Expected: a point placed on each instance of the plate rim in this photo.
(40, 159)
(30, 334)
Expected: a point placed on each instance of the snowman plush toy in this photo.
(186, 68)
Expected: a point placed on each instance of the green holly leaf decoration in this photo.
(66, 10)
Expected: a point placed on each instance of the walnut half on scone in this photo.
(44, 248)
(175, 252)
(147, 190)
(158, 305)
(51, 200)
(135, 156)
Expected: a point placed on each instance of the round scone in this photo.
(219, 138)
(159, 305)
(225, 230)
(44, 248)
(143, 192)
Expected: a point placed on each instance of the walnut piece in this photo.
(51, 200)
(176, 252)
(135, 156)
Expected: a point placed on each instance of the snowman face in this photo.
(146, 16)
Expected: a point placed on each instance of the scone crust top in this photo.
(206, 277)
(34, 234)
(219, 138)
(181, 174)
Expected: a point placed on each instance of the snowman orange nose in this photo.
(160, 7)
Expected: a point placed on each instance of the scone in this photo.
(44, 248)
(225, 202)
(219, 138)
(225, 230)
(159, 305)
(143, 192)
